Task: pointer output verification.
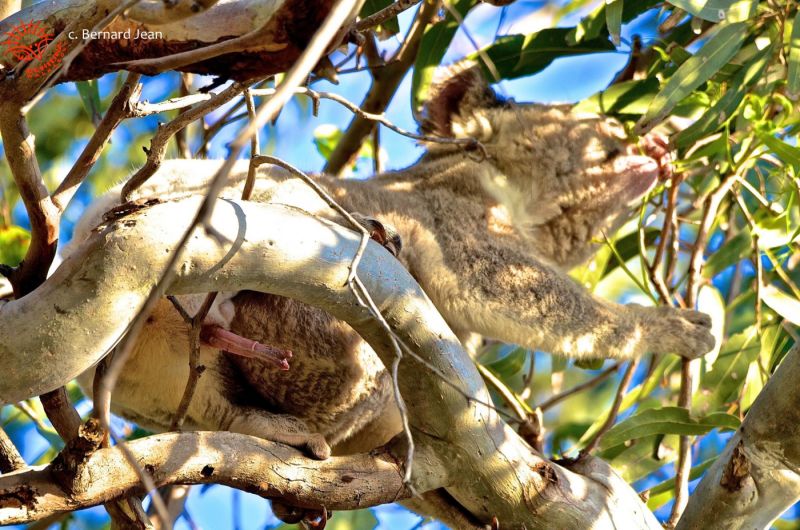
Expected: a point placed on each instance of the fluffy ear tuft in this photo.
(461, 88)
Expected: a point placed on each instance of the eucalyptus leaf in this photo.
(730, 253)
(432, 48)
(614, 20)
(721, 384)
(595, 23)
(90, 96)
(698, 69)
(793, 74)
(718, 10)
(515, 56)
(14, 241)
(782, 303)
(628, 97)
(726, 106)
(666, 420)
(387, 28)
(788, 153)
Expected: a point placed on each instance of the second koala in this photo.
(488, 233)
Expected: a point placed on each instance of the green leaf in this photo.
(595, 23)
(509, 364)
(731, 252)
(14, 241)
(788, 153)
(718, 10)
(661, 493)
(642, 457)
(773, 231)
(793, 75)
(432, 48)
(721, 383)
(389, 27)
(515, 56)
(785, 305)
(726, 106)
(666, 420)
(90, 96)
(629, 97)
(326, 136)
(354, 520)
(698, 69)
(614, 20)
(627, 247)
(589, 364)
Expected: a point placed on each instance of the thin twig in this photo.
(386, 80)
(330, 201)
(594, 381)
(683, 465)
(255, 148)
(381, 16)
(195, 370)
(470, 143)
(119, 109)
(612, 414)
(160, 140)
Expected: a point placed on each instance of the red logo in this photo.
(27, 42)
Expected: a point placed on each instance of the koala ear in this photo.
(460, 90)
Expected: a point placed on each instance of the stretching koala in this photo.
(487, 233)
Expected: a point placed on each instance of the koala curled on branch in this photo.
(488, 233)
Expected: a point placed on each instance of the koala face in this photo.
(564, 178)
(577, 175)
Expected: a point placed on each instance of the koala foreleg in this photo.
(500, 291)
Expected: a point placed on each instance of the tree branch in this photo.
(261, 467)
(276, 249)
(286, 24)
(757, 476)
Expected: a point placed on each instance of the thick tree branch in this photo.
(283, 28)
(261, 467)
(275, 249)
(757, 476)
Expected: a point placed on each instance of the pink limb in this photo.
(220, 338)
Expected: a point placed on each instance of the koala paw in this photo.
(383, 233)
(681, 331)
(317, 446)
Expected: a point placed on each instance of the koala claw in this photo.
(383, 233)
(317, 446)
(681, 331)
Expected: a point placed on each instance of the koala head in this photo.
(562, 177)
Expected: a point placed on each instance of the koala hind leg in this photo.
(281, 428)
(215, 407)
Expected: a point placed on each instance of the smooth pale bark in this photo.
(65, 326)
(757, 476)
(261, 467)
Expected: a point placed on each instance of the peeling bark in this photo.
(285, 28)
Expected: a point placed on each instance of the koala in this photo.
(488, 233)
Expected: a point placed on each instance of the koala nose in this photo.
(656, 146)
